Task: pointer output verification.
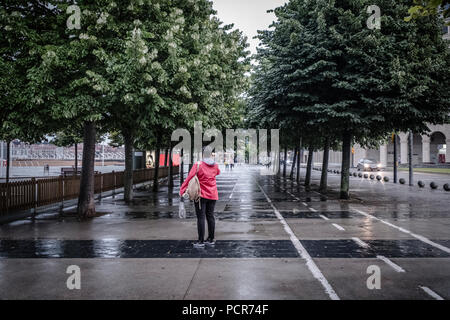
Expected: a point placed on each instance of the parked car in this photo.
(369, 165)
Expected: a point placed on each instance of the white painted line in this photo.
(338, 227)
(431, 293)
(303, 253)
(232, 191)
(323, 217)
(417, 236)
(304, 203)
(293, 196)
(394, 266)
(312, 209)
(360, 242)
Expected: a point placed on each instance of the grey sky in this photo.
(247, 15)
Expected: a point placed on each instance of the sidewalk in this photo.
(274, 241)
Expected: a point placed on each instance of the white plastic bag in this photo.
(181, 210)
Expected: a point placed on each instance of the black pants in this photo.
(202, 209)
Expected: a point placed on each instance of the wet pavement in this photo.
(275, 240)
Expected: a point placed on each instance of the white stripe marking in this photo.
(338, 227)
(302, 251)
(69, 208)
(292, 195)
(232, 191)
(394, 266)
(312, 209)
(431, 293)
(417, 236)
(304, 203)
(323, 217)
(360, 242)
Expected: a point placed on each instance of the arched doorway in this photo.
(437, 147)
(417, 150)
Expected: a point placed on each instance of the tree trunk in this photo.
(309, 167)
(170, 167)
(86, 204)
(299, 160)
(285, 164)
(8, 159)
(324, 176)
(395, 159)
(279, 162)
(294, 162)
(8, 166)
(410, 158)
(128, 175)
(157, 156)
(166, 160)
(191, 157)
(76, 158)
(181, 167)
(345, 170)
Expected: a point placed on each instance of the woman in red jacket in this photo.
(207, 172)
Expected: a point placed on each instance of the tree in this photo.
(66, 82)
(425, 8)
(329, 71)
(69, 137)
(177, 65)
(21, 116)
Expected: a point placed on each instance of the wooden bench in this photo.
(70, 171)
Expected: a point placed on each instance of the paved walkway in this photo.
(274, 241)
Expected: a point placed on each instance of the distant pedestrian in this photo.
(206, 171)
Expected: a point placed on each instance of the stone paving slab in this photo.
(315, 229)
(254, 279)
(160, 279)
(407, 248)
(164, 229)
(126, 249)
(349, 278)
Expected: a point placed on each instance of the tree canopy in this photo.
(323, 72)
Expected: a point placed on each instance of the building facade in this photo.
(427, 149)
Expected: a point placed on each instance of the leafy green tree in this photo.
(168, 62)
(423, 8)
(357, 83)
(66, 82)
(70, 137)
(21, 116)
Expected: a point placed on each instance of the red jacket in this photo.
(207, 178)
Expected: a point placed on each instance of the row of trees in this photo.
(135, 69)
(324, 76)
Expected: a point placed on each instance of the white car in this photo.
(369, 165)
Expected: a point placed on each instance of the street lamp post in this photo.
(1, 159)
(395, 158)
(410, 158)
